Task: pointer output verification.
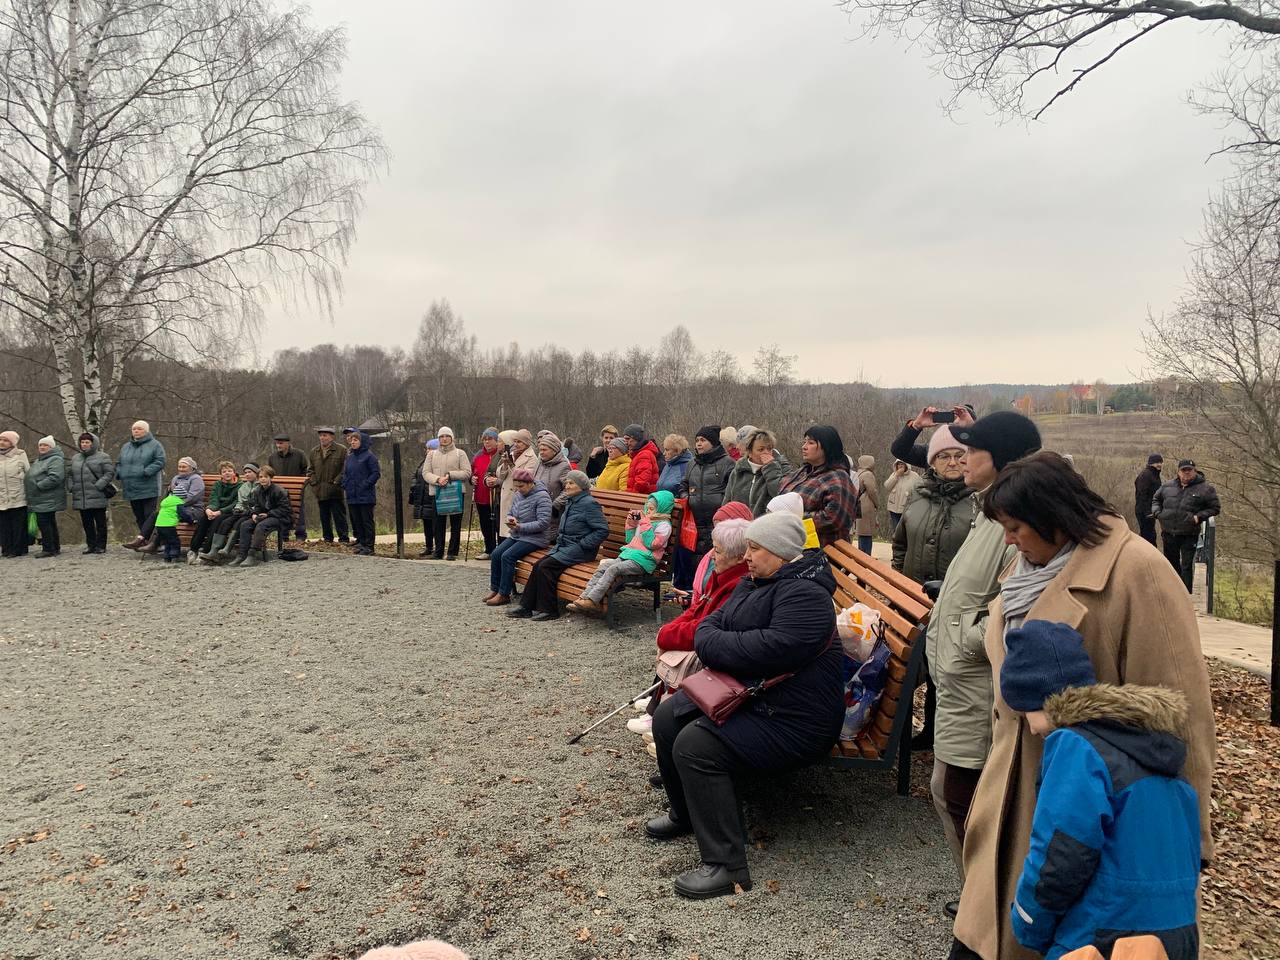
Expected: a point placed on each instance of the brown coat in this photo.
(868, 497)
(1138, 627)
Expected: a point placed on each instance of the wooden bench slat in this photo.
(873, 577)
(900, 580)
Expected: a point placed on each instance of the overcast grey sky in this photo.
(593, 174)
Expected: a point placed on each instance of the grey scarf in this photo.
(1024, 586)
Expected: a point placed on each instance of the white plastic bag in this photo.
(859, 626)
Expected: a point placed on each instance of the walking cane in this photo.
(610, 716)
(471, 515)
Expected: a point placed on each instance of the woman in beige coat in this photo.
(519, 455)
(1138, 627)
(442, 467)
(868, 502)
(13, 496)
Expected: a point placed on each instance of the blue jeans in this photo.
(864, 544)
(502, 563)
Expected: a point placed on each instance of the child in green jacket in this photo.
(167, 526)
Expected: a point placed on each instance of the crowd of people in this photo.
(1068, 708)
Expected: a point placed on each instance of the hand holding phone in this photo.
(944, 416)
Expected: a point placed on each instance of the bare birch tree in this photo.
(165, 164)
(1022, 55)
(1221, 344)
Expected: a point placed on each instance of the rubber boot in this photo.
(240, 559)
(254, 559)
(217, 543)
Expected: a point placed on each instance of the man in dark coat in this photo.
(288, 462)
(1144, 491)
(583, 528)
(778, 621)
(324, 476)
(1181, 505)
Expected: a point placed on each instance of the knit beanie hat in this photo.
(445, 432)
(523, 475)
(525, 436)
(190, 462)
(47, 441)
(664, 500)
(1042, 659)
(11, 436)
(508, 436)
(942, 439)
(635, 432)
(791, 503)
(746, 431)
(249, 467)
(1154, 459)
(734, 510)
(618, 443)
(433, 444)
(782, 534)
(548, 439)
(728, 435)
(421, 950)
(578, 477)
(709, 434)
(1006, 435)
(489, 433)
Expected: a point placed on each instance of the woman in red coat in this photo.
(481, 491)
(729, 547)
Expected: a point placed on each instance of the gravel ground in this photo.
(315, 758)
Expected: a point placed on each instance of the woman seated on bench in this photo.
(779, 620)
(528, 529)
(187, 484)
(583, 528)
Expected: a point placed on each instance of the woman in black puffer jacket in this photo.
(779, 619)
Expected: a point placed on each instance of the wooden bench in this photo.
(294, 486)
(616, 506)
(904, 612)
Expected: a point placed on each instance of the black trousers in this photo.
(540, 591)
(1180, 550)
(253, 536)
(50, 542)
(142, 511)
(13, 532)
(95, 528)
(488, 525)
(204, 528)
(455, 534)
(333, 515)
(698, 771)
(362, 523)
(1147, 529)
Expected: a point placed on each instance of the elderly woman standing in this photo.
(46, 486)
(1079, 564)
(778, 621)
(360, 475)
(552, 464)
(758, 475)
(868, 502)
(13, 496)
(518, 455)
(675, 448)
(482, 493)
(89, 475)
(829, 495)
(899, 486)
(443, 466)
(614, 474)
(139, 466)
(583, 528)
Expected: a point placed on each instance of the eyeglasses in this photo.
(957, 457)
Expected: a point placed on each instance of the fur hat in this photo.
(578, 477)
(782, 534)
(1042, 659)
(1006, 435)
(942, 439)
(84, 436)
(709, 434)
(420, 950)
(791, 503)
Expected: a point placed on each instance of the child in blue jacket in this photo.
(1115, 841)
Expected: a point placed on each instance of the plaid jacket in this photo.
(830, 498)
